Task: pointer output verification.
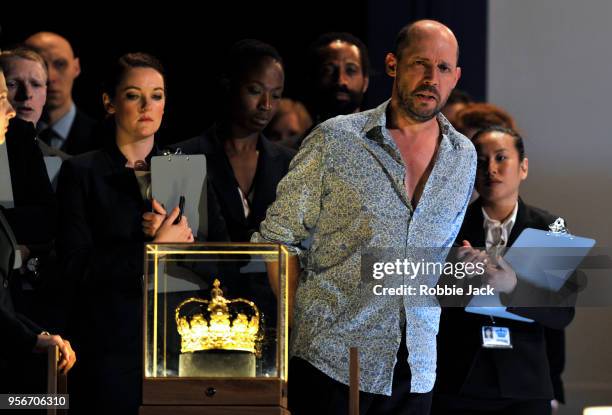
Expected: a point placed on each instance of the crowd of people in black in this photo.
(72, 242)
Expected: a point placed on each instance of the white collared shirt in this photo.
(497, 232)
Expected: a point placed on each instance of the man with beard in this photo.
(398, 176)
(340, 74)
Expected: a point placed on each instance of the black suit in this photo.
(34, 217)
(18, 332)
(82, 136)
(101, 250)
(555, 347)
(481, 378)
(272, 165)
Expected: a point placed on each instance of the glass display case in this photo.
(215, 328)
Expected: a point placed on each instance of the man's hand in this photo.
(151, 221)
(169, 232)
(67, 357)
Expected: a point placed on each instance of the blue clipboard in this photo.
(525, 257)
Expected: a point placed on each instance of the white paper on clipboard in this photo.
(176, 175)
(525, 257)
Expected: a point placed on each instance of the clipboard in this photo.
(525, 257)
(549, 250)
(6, 186)
(176, 175)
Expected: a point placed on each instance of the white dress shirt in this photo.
(497, 232)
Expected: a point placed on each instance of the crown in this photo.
(218, 324)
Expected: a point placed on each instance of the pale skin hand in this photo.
(151, 221)
(169, 232)
(498, 273)
(67, 357)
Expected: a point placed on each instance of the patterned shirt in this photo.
(345, 193)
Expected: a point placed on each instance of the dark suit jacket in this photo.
(34, 217)
(100, 247)
(101, 250)
(18, 332)
(467, 369)
(82, 136)
(272, 165)
(555, 348)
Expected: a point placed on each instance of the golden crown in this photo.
(218, 324)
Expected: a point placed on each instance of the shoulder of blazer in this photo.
(277, 151)
(95, 161)
(472, 227)
(200, 144)
(533, 217)
(81, 132)
(82, 120)
(20, 135)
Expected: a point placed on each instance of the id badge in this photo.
(496, 337)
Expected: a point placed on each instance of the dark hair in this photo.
(405, 37)
(245, 55)
(518, 140)
(459, 96)
(327, 38)
(126, 62)
(479, 115)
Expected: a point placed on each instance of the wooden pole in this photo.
(52, 355)
(57, 383)
(354, 381)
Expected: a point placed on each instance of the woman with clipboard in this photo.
(103, 195)
(492, 365)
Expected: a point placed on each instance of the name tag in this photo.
(496, 337)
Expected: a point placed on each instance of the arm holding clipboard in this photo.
(164, 227)
(546, 275)
(181, 179)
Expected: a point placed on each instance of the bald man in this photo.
(399, 177)
(62, 126)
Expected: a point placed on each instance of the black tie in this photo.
(48, 135)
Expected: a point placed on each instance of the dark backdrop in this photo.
(192, 42)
